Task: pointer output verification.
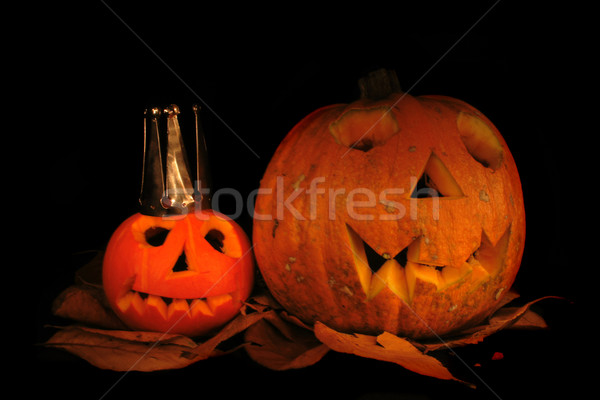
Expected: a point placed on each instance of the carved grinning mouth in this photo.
(400, 272)
(167, 307)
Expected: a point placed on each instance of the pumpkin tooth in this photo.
(158, 304)
(424, 273)
(200, 306)
(357, 248)
(411, 279)
(392, 275)
(178, 305)
(138, 303)
(451, 274)
(478, 272)
(124, 301)
(215, 302)
(132, 299)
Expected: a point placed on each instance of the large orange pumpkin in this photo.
(401, 214)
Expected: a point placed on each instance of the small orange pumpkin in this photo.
(393, 213)
(186, 275)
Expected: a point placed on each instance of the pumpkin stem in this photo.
(379, 84)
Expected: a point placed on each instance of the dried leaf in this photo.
(507, 298)
(124, 350)
(87, 305)
(503, 318)
(529, 320)
(263, 301)
(294, 320)
(142, 336)
(91, 273)
(237, 325)
(385, 347)
(279, 345)
(507, 316)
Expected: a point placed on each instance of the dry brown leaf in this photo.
(503, 318)
(85, 301)
(86, 304)
(124, 350)
(385, 347)
(141, 336)
(262, 301)
(294, 320)
(237, 325)
(91, 273)
(529, 320)
(279, 345)
(273, 342)
(507, 298)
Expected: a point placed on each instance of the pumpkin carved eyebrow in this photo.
(364, 128)
(480, 140)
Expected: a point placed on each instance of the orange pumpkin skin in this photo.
(344, 180)
(180, 283)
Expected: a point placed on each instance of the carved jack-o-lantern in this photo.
(401, 214)
(172, 274)
(174, 267)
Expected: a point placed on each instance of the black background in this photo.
(257, 70)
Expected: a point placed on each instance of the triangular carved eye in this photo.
(435, 181)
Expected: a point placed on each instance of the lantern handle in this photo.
(153, 187)
(203, 183)
(179, 193)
